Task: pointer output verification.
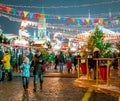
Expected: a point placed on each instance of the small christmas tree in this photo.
(96, 39)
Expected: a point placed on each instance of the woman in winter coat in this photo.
(69, 60)
(7, 66)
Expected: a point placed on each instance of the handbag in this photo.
(43, 68)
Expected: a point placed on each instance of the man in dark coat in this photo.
(95, 55)
(37, 62)
(61, 61)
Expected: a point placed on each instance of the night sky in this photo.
(65, 8)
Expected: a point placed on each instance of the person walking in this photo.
(56, 61)
(96, 52)
(37, 62)
(25, 71)
(61, 61)
(75, 62)
(6, 66)
(30, 55)
(69, 60)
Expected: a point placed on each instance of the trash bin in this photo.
(83, 68)
(103, 72)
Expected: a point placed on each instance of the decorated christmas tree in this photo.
(96, 40)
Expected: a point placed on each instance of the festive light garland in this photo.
(83, 15)
(71, 6)
(26, 13)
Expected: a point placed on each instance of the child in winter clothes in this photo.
(25, 71)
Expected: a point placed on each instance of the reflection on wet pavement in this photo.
(54, 89)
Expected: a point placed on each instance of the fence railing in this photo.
(98, 60)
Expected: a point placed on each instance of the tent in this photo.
(105, 30)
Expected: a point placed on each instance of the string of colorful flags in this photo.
(36, 24)
(83, 21)
(62, 28)
(27, 23)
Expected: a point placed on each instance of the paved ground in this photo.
(57, 87)
(54, 89)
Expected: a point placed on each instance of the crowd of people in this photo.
(35, 61)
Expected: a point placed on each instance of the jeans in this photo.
(36, 76)
(4, 71)
(61, 66)
(25, 82)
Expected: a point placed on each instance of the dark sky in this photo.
(65, 8)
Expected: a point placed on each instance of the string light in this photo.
(72, 6)
(83, 15)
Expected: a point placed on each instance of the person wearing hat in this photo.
(95, 55)
(37, 62)
(7, 66)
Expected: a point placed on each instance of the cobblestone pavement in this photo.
(54, 89)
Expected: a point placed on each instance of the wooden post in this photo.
(97, 72)
(87, 69)
(119, 67)
(78, 68)
(118, 63)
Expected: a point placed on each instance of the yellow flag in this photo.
(59, 17)
(88, 20)
(117, 22)
(25, 13)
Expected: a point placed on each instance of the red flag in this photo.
(3, 8)
(37, 16)
(68, 19)
(24, 18)
(96, 20)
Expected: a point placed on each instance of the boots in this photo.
(35, 86)
(3, 76)
(10, 76)
(41, 82)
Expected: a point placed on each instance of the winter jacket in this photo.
(37, 63)
(69, 58)
(61, 58)
(26, 70)
(6, 61)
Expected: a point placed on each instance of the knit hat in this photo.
(96, 49)
(6, 51)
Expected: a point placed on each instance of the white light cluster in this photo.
(21, 42)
